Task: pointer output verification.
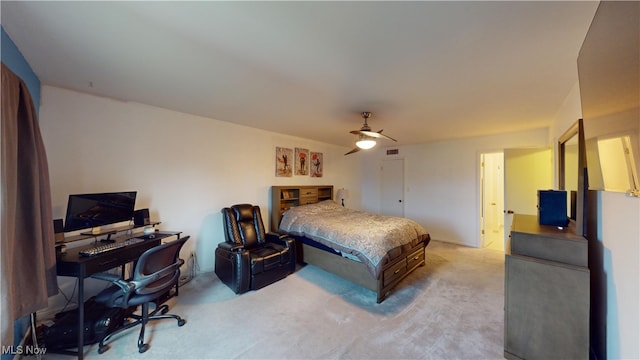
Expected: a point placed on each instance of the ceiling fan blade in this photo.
(353, 151)
(378, 134)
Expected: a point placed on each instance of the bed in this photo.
(371, 250)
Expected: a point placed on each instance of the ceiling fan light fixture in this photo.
(366, 139)
(365, 142)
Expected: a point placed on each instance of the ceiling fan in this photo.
(366, 137)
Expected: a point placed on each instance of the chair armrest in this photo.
(116, 280)
(233, 268)
(284, 239)
(280, 238)
(145, 281)
(231, 247)
(280, 235)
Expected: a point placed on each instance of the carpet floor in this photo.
(452, 308)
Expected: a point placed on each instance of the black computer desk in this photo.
(71, 263)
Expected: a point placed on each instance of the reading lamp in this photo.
(343, 193)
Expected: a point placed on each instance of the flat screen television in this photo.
(609, 77)
(86, 211)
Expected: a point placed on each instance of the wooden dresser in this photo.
(285, 197)
(547, 292)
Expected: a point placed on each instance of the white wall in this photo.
(619, 234)
(442, 182)
(620, 237)
(185, 168)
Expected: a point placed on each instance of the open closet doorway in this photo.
(492, 200)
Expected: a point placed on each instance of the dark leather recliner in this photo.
(250, 259)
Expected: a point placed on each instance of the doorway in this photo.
(510, 179)
(492, 200)
(525, 171)
(392, 202)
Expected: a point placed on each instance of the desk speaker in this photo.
(58, 230)
(141, 217)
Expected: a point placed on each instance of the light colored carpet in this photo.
(452, 308)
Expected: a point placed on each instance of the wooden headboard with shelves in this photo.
(285, 197)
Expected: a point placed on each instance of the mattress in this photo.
(373, 239)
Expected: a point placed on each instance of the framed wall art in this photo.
(316, 164)
(284, 162)
(302, 162)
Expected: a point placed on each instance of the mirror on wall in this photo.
(571, 172)
(569, 180)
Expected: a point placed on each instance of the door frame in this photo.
(481, 194)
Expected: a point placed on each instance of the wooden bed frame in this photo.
(357, 272)
(283, 197)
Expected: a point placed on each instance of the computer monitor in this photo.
(86, 211)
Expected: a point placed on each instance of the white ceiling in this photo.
(427, 70)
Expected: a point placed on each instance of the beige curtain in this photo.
(27, 256)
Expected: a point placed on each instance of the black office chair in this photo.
(155, 273)
(250, 259)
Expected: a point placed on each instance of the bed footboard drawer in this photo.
(415, 259)
(394, 272)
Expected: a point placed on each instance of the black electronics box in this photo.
(99, 321)
(552, 208)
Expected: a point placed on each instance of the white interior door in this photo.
(525, 172)
(492, 185)
(392, 202)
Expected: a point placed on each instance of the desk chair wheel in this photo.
(164, 309)
(181, 322)
(142, 348)
(102, 349)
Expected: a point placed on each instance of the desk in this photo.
(71, 263)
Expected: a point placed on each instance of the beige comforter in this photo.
(373, 239)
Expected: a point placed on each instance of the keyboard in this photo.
(109, 247)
